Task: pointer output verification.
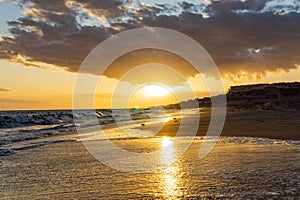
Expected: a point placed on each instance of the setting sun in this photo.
(156, 91)
(149, 99)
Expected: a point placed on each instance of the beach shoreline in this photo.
(232, 170)
(59, 166)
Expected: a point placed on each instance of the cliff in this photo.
(266, 96)
(277, 96)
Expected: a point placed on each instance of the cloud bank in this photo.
(242, 36)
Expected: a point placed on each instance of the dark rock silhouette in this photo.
(277, 96)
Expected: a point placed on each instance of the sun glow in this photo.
(166, 142)
(156, 91)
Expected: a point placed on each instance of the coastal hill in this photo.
(276, 96)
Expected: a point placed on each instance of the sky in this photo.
(43, 44)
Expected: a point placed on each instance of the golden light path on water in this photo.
(171, 173)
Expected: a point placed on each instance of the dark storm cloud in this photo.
(231, 5)
(251, 42)
(51, 36)
(239, 35)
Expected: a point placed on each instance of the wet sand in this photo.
(249, 123)
(60, 167)
(68, 171)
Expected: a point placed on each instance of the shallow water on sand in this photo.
(36, 166)
(232, 170)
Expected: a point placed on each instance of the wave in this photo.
(18, 126)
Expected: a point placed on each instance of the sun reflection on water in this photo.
(166, 142)
(166, 119)
(171, 173)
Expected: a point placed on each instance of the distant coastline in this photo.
(276, 96)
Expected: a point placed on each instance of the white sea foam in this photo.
(21, 126)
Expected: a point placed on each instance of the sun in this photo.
(155, 90)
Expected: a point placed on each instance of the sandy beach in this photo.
(60, 167)
(232, 170)
(249, 123)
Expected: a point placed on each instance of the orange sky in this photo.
(33, 88)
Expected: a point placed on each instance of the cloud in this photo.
(226, 6)
(241, 35)
(5, 90)
(20, 104)
(101, 9)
